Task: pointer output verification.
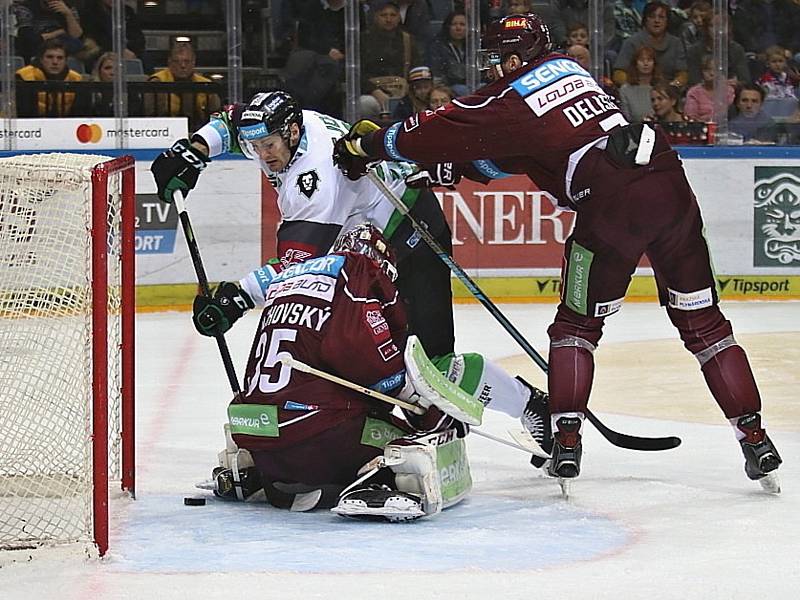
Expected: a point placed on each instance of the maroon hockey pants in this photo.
(630, 212)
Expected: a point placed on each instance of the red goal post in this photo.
(67, 315)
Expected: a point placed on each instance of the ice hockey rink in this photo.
(684, 523)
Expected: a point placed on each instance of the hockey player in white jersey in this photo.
(294, 149)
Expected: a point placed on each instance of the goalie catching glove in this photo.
(349, 153)
(178, 169)
(427, 386)
(214, 316)
(437, 175)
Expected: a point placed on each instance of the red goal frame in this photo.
(125, 165)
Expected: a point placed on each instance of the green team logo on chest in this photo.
(576, 289)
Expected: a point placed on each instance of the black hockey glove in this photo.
(214, 316)
(348, 153)
(437, 175)
(178, 169)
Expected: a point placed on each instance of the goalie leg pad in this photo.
(431, 473)
(434, 466)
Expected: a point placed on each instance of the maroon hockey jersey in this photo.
(338, 313)
(533, 121)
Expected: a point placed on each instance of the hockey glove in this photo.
(178, 169)
(349, 155)
(214, 316)
(437, 175)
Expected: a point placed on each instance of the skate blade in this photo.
(566, 486)
(395, 514)
(771, 483)
(208, 484)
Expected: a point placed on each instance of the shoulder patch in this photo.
(308, 183)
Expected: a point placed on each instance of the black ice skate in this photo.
(244, 486)
(536, 420)
(761, 457)
(567, 449)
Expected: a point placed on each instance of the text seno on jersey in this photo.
(546, 74)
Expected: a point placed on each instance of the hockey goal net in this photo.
(66, 345)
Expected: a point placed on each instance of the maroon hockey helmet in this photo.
(367, 239)
(524, 35)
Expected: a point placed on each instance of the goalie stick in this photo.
(528, 445)
(202, 280)
(621, 440)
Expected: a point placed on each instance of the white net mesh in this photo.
(46, 343)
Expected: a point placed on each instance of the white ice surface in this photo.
(679, 524)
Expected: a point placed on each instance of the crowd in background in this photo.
(657, 59)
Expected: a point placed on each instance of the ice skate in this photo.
(567, 450)
(379, 502)
(761, 458)
(245, 485)
(536, 421)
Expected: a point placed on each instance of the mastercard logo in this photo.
(89, 134)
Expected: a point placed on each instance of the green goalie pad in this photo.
(436, 389)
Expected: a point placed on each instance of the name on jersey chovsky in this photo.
(295, 313)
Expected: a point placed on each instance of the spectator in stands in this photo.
(41, 20)
(448, 53)
(699, 104)
(779, 80)
(546, 10)
(692, 30)
(420, 83)
(670, 54)
(664, 100)
(98, 32)
(578, 35)
(634, 95)
(197, 106)
(577, 11)
(103, 72)
(415, 18)
(628, 21)
(49, 65)
(387, 53)
(750, 121)
(314, 69)
(738, 70)
(440, 95)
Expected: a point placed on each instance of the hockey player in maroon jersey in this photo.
(544, 116)
(307, 438)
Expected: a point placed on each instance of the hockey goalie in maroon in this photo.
(304, 441)
(544, 116)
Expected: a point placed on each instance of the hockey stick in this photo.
(202, 280)
(417, 410)
(618, 439)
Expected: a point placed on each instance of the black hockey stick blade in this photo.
(632, 442)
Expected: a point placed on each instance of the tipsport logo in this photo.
(776, 218)
(89, 134)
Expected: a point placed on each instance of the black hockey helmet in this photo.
(525, 35)
(269, 113)
(368, 240)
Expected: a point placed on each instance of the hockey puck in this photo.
(194, 501)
